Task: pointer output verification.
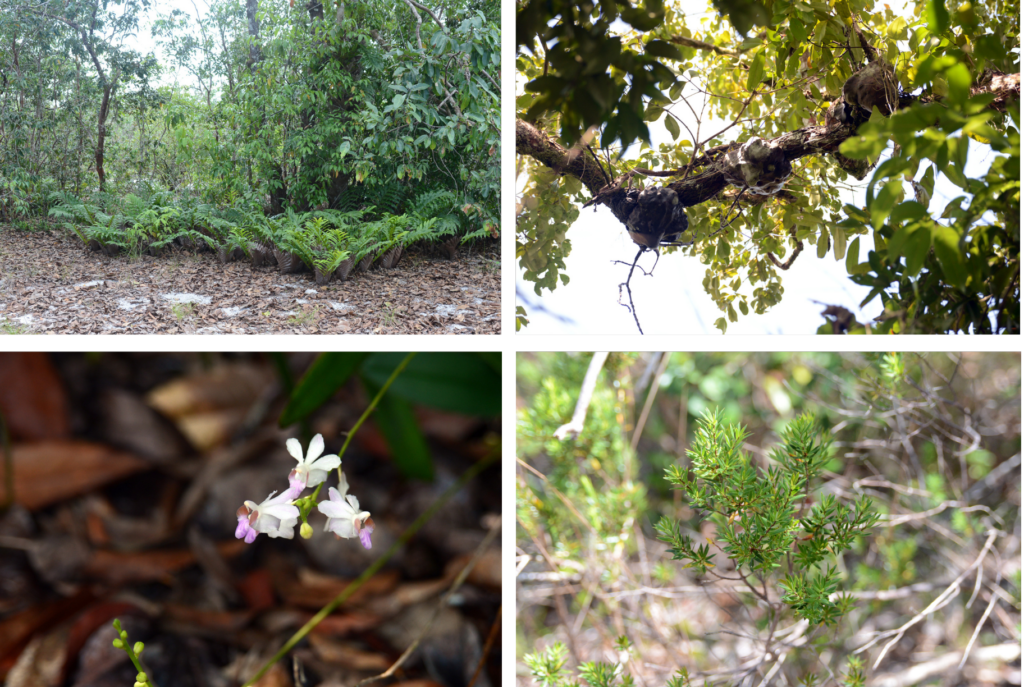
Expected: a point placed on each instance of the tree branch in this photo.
(701, 45)
(809, 140)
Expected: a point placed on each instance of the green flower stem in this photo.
(122, 643)
(359, 423)
(379, 563)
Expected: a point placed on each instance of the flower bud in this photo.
(305, 531)
(139, 646)
(118, 644)
(141, 677)
(140, 684)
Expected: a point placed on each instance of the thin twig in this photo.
(941, 600)
(977, 629)
(463, 574)
(562, 497)
(419, 22)
(491, 636)
(649, 402)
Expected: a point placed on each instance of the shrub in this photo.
(761, 515)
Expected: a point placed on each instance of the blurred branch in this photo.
(1003, 653)
(941, 600)
(575, 425)
(5, 437)
(463, 574)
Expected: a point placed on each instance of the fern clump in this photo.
(435, 216)
(387, 198)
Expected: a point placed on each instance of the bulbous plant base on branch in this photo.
(390, 257)
(873, 86)
(192, 244)
(858, 169)
(759, 167)
(365, 263)
(450, 247)
(656, 217)
(321, 277)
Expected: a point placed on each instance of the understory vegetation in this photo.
(318, 136)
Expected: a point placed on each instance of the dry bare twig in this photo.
(941, 600)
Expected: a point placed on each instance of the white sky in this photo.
(144, 42)
(673, 301)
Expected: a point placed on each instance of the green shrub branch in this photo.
(768, 519)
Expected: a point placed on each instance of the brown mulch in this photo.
(51, 284)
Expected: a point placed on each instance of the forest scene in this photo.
(239, 166)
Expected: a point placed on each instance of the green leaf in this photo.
(672, 126)
(327, 374)
(546, 84)
(396, 421)
(883, 202)
(911, 210)
(959, 79)
(946, 242)
(839, 243)
(937, 16)
(756, 72)
(723, 250)
(862, 147)
(646, 18)
(798, 32)
(915, 248)
(664, 49)
(822, 243)
(344, 148)
(459, 382)
(853, 256)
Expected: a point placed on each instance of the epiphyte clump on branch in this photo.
(657, 217)
(873, 86)
(758, 166)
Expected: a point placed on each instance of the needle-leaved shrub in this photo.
(768, 521)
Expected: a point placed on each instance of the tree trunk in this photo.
(278, 195)
(254, 33)
(335, 185)
(101, 131)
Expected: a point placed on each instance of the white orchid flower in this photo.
(275, 517)
(312, 469)
(343, 515)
